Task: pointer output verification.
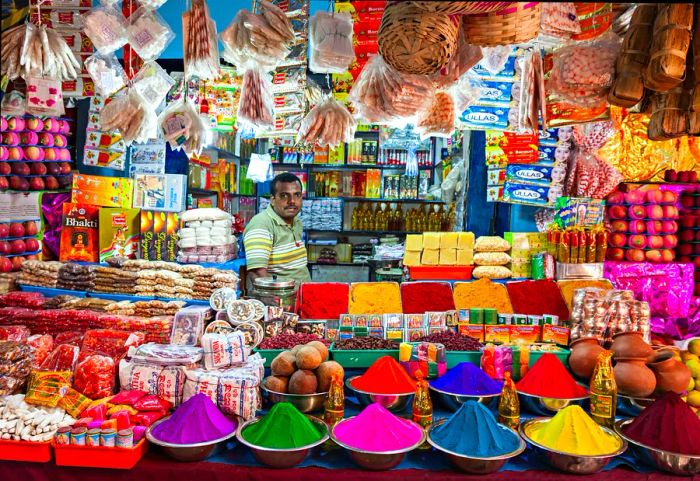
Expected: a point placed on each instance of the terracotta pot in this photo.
(630, 344)
(671, 374)
(633, 377)
(584, 354)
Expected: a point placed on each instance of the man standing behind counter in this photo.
(272, 239)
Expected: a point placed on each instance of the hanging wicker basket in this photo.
(417, 42)
(463, 8)
(517, 23)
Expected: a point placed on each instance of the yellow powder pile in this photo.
(375, 298)
(572, 431)
(482, 293)
(567, 288)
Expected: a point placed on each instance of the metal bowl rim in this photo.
(587, 396)
(620, 450)
(521, 445)
(618, 431)
(631, 398)
(462, 395)
(151, 438)
(239, 436)
(264, 387)
(362, 451)
(350, 386)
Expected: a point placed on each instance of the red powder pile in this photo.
(668, 424)
(385, 376)
(324, 300)
(549, 378)
(421, 297)
(537, 298)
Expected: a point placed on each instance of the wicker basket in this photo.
(463, 8)
(417, 42)
(669, 48)
(670, 117)
(516, 24)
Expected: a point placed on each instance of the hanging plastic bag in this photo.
(106, 28)
(149, 34)
(467, 91)
(260, 168)
(466, 56)
(44, 97)
(331, 42)
(183, 127)
(439, 119)
(201, 46)
(559, 19)
(328, 123)
(255, 104)
(495, 58)
(106, 73)
(593, 135)
(130, 115)
(152, 83)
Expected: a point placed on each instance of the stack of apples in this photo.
(644, 225)
(688, 249)
(18, 243)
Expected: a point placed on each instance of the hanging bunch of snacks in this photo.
(148, 33)
(517, 23)
(439, 119)
(129, 115)
(255, 105)
(331, 42)
(201, 47)
(671, 41)
(590, 176)
(183, 127)
(328, 123)
(559, 20)
(106, 29)
(414, 41)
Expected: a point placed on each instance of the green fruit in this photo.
(694, 346)
(694, 367)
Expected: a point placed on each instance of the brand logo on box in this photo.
(529, 174)
(526, 194)
(481, 117)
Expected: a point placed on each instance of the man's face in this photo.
(287, 201)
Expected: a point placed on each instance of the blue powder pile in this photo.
(467, 379)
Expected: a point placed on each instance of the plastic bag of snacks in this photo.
(94, 376)
(224, 350)
(46, 388)
(130, 114)
(152, 83)
(15, 366)
(439, 119)
(593, 177)
(166, 382)
(201, 46)
(74, 403)
(255, 105)
(491, 258)
(331, 42)
(41, 345)
(328, 123)
(106, 28)
(559, 19)
(183, 128)
(107, 73)
(491, 244)
(492, 272)
(62, 358)
(148, 33)
(14, 333)
(495, 58)
(593, 135)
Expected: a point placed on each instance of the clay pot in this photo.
(630, 344)
(671, 374)
(633, 377)
(584, 355)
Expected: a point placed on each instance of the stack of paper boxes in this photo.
(439, 249)
(523, 246)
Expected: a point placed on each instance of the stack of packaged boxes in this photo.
(523, 246)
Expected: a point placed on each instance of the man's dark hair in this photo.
(285, 178)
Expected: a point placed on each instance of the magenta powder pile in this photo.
(196, 421)
(377, 430)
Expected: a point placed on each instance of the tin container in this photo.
(476, 316)
(490, 316)
(93, 437)
(125, 438)
(108, 438)
(77, 436)
(63, 435)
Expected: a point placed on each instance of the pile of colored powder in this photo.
(537, 298)
(466, 378)
(549, 378)
(197, 420)
(377, 430)
(323, 300)
(385, 376)
(483, 293)
(421, 297)
(283, 427)
(491, 439)
(667, 424)
(572, 431)
(375, 298)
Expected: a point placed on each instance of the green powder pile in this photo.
(284, 427)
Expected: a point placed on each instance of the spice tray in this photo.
(25, 451)
(360, 358)
(99, 456)
(268, 354)
(438, 273)
(455, 357)
(579, 271)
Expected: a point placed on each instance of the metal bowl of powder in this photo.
(568, 462)
(281, 458)
(306, 403)
(674, 463)
(392, 402)
(631, 406)
(186, 452)
(548, 406)
(477, 465)
(454, 401)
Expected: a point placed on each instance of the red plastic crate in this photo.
(99, 456)
(25, 451)
(440, 273)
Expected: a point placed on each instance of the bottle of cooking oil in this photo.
(509, 405)
(354, 224)
(422, 409)
(603, 391)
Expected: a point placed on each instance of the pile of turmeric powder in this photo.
(375, 298)
(482, 293)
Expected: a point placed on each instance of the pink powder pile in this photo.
(377, 430)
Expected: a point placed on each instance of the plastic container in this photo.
(455, 357)
(439, 273)
(25, 451)
(360, 358)
(100, 456)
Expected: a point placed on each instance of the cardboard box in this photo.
(79, 233)
(159, 236)
(556, 334)
(119, 232)
(525, 334)
(161, 192)
(473, 330)
(500, 334)
(102, 191)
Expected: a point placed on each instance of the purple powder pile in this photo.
(196, 421)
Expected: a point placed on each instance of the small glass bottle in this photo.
(334, 408)
(509, 404)
(603, 391)
(422, 409)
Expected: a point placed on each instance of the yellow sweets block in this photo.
(431, 240)
(431, 257)
(414, 242)
(466, 240)
(448, 257)
(465, 257)
(448, 240)
(411, 258)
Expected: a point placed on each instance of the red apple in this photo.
(32, 244)
(696, 261)
(687, 201)
(4, 247)
(637, 240)
(38, 168)
(667, 255)
(32, 257)
(654, 242)
(36, 183)
(16, 229)
(696, 249)
(23, 184)
(669, 226)
(620, 226)
(5, 264)
(670, 241)
(654, 227)
(20, 168)
(51, 183)
(4, 184)
(655, 212)
(634, 197)
(654, 196)
(4, 230)
(637, 226)
(688, 220)
(697, 238)
(696, 292)
(687, 236)
(615, 198)
(53, 168)
(693, 176)
(618, 240)
(683, 176)
(18, 246)
(65, 167)
(14, 182)
(697, 201)
(637, 212)
(635, 255)
(670, 212)
(653, 255)
(671, 176)
(669, 197)
(617, 212)
(616, 254)
(5, 168)
(17, 262)
(684, 260)
(30, 228)
(685, 249)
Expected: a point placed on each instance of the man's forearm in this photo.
(253, 274)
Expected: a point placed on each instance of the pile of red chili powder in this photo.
(422, 297)
(549, 378)
(385, 376)
(536, 298)
(323, 300)
(668, 424)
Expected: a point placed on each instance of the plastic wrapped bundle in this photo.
(201, 47)
(439, 119)
(331, 42)
(328, 123)
(15, 366)
(255, 105)
(130, 115)
(94, 377)
(183, 128)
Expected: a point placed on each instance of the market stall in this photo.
(358, 239)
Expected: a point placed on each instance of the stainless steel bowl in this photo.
(631, 406)
(306, 403)
(572, 463)
(455, 401)
(674, 463)
(393, 402)
(548, 406)
(186, 452)
(475, 465)
(281, 458)
(376, 461)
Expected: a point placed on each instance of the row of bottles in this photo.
(429, 218)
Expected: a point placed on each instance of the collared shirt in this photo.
(273, 244)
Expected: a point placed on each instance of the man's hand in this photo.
(254, 274)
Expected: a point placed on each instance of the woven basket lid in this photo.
(463, 8)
